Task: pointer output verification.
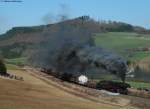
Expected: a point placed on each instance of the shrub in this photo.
(3, 69)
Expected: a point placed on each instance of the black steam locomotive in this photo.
(112, 86)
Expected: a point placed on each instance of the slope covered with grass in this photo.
(124, 42)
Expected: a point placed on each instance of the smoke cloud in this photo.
(49, 18)
(70, 48)
(62, 15)
(64, 12)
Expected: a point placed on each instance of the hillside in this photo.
(125, 44)
(131, 46)
(39, 92)
(34, 93)
(121, 38)
(20, 40)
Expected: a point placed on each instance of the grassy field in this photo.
(11, 66)
(120, 42)
(33, 93)
(16, 61)
(136, 84)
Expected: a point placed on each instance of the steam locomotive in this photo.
(112, 86)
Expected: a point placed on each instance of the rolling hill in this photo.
(20, 40)
(124, 43)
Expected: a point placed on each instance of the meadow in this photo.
(16, 61)
(123, 43)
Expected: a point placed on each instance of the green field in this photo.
(16, 61)
(11, 67)
(137, 84)
(120, 42)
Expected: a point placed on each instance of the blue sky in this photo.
(32, 12)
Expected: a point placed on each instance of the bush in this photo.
(66, 77)
(3, 69)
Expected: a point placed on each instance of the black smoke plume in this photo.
(62, 15)
(70, 48)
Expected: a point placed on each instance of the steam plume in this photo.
(70, 48)
(62, 15)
